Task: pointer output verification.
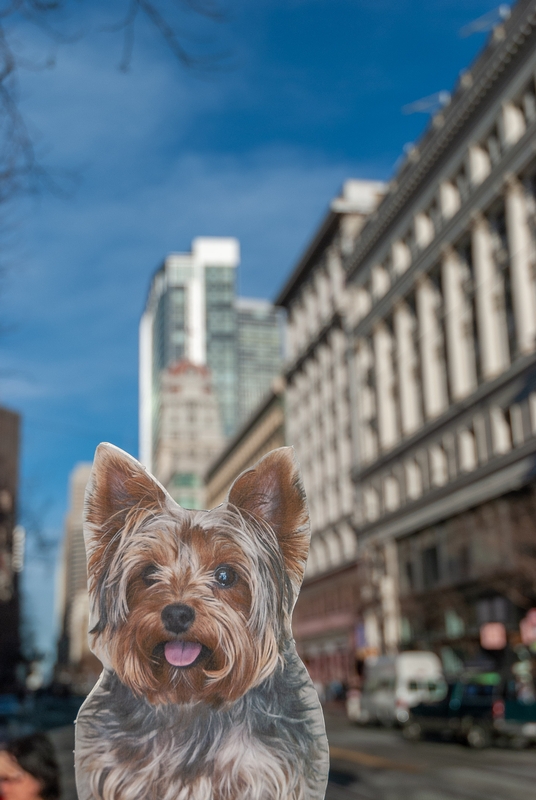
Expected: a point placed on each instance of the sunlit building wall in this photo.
(443, 335)
(318, 425)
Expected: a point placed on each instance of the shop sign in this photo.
(527, 626)
(493, 636)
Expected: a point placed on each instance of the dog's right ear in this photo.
(118, 489)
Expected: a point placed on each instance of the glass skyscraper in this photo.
(192, 313)
(260, 329)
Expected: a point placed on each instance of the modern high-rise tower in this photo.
(190, 315)
(260, 333)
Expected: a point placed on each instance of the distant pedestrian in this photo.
(29, 770)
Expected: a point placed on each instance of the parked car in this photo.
(478, 709)
(393, 684)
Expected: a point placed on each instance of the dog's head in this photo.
(193, 605)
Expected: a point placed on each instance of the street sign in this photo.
(493, 636)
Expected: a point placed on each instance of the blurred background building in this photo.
(189, 314)
(259, 346)
(11, 550)
(76, 666)
(190, 432)
(407, 385)
(192, 312)
(263, 431)
(318, 424)
(442, 326)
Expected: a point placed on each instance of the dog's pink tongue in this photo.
(181, 654)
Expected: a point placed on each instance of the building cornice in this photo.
(519, 35)
(506, 473)
(515, 160)
(307, 262)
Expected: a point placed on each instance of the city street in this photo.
(377, 764)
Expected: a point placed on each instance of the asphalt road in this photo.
(377, 764)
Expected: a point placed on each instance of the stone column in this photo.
(490, 315)
(460, 348)
(408, 378)
(433, 370)
(385, 384)
(519, 245)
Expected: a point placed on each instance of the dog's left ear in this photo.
(273, 491)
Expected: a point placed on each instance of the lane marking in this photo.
(370, 760)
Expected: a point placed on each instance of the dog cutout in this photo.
(202, 694)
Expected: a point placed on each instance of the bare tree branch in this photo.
(21, 169)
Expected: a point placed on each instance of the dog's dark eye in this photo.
(225, 575)
(148, 575)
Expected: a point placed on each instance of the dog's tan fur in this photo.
(243, 721)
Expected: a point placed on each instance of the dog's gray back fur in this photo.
(176, 747)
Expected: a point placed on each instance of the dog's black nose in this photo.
(178, 617)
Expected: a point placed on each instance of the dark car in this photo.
(476, 710)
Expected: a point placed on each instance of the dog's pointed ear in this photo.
(272, 490)
(118, 486)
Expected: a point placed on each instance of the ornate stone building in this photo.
(442, 323)
(318, 425)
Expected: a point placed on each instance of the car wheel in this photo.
(412, 732)
(478, 737)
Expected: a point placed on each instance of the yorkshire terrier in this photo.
(202, 695)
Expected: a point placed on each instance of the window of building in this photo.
(430, 566)
(501, 255)
(493, 145)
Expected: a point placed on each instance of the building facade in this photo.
(442, 323)
(191, 434)
(318, 425)
(260, 336)
(11, 551)
(190, 315)
(262, 432)
(76, 665)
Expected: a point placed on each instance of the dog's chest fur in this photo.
(255, 750)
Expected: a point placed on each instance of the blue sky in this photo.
(309, 92)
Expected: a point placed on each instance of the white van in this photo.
(393, 684)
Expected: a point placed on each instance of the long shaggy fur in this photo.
(243, 721)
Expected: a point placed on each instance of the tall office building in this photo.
(189, 314)
(259, 351)
(192, 313)
(190, 430)
(73, 649)
(10, 550)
